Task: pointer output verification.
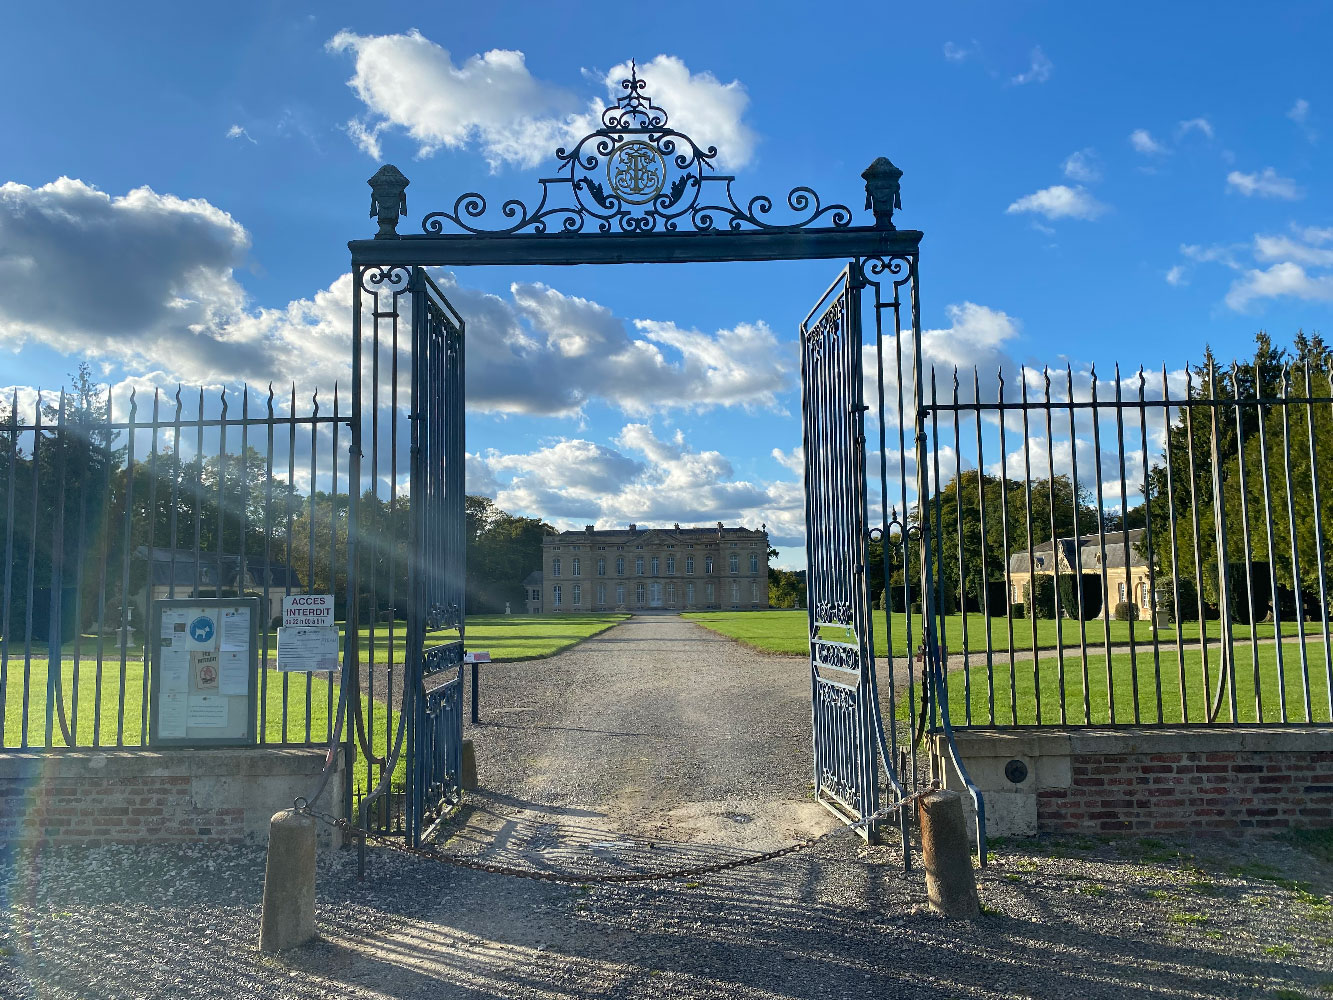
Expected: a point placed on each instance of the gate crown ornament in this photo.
(635, 174)
(388, 199)
(883, 191)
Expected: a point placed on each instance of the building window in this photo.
(576, 570)
(655, 565)
(708, 564)
(638, 565)
(555, 566)
(620, 565)
(754, 562)
(555, 596)
(671, 594)
(601, 567)
(1143, 599)
(1122, 591)
(735, 592)
(708, 592)
(640, 594)
(620, 594)
(601, 593)
(671, 565)
(734, 563)
(578, 596)
(754, 591)
(689, 565)
(689, 593)
(657, 595)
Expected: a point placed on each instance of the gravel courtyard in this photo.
(656, 744)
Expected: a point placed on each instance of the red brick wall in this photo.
(112, 810)
(1203, 792)
(86, 797)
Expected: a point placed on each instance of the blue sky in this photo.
(1095, 186)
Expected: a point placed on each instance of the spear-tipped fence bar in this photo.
(1171, 568)
(111, 503)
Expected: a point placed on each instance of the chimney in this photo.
(588, 528)
(633, 527)
(677, 525)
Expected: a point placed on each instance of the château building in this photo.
(651, 569)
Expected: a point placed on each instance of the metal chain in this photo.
(431, 854)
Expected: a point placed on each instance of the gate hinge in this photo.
(857, 407)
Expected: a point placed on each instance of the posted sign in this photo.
(308, 639)
(304, 610)
(203, 663)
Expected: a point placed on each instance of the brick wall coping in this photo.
(135, 763)
(1055, 742)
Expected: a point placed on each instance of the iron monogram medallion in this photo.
(636, 172)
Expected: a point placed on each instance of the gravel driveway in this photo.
(654, 743)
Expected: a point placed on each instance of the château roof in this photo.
(634, 533)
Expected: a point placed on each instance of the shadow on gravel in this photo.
(818, 928)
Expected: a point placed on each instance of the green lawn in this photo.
(1021, 707)
(507, 637)
(787, 631)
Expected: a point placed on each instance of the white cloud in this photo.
(1038, 71)
(154, 273)
(793, 461)
(1215, 254)
(1268, 248)
(1300, 115)
(959, 53)
(492, 101)
(1143, 142)
(1176, 276)
(542, 351)
(645, 478)
(1083, 166)
(1283, 279)
(1059, 202)
(237, 132)
(1266, 184)
(1201, 125)
(158, 292)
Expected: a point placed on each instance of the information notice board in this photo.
(204, 672)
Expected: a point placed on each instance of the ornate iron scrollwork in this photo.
(636, 174)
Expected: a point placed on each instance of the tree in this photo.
(1266, 447)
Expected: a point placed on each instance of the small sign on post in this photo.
(308, 638)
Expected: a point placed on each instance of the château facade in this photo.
(651, 569)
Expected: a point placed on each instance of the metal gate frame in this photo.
(673, 207)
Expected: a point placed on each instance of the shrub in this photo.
(916, 608)
(1092, 595)
(1039, 596)
(1126, 611)
(1018, 609)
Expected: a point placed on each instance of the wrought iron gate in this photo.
(433, 682)
(406, 683)
(844, 706)
(848, 711)
(637, 190)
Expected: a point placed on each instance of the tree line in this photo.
(73, 506)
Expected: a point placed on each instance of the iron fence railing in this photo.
(1141, 551)
(108, 504)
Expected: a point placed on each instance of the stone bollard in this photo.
(288, 916)
(468, 768)
(951, 885)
